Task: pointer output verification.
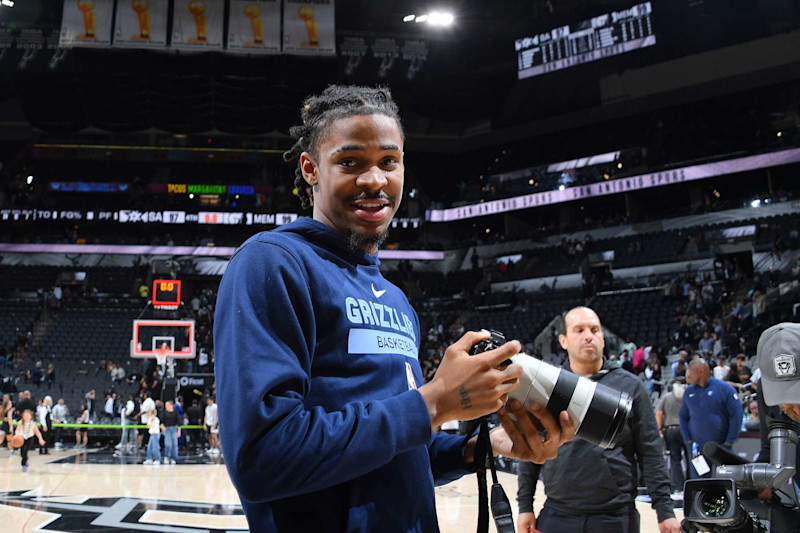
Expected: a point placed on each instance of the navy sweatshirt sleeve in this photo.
(264, 338)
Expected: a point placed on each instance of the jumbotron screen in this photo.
(602, 36)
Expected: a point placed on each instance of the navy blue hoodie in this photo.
(316, 364)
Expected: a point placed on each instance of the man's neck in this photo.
(585, 369)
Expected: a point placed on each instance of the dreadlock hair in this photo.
(320, 111)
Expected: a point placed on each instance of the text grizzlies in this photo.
(363, 312)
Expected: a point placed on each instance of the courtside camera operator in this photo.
(716, 504)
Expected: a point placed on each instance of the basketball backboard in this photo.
(163, 338)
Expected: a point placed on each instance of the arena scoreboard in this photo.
(610, 34)
(166, 293)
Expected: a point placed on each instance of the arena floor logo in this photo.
(121, 514)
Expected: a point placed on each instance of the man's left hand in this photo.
(524, 442)
(670, 525)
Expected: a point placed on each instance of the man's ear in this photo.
(562, 340)
(309, 168)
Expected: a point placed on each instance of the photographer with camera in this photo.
(591, 489)
(780, 389)
(724, 503)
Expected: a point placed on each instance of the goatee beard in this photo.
(363, 242)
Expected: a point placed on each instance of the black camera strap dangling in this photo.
(501, 508)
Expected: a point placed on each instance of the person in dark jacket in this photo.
(590, 489)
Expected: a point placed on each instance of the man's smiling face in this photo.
(357, 177)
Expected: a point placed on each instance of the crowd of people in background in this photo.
(163, 420)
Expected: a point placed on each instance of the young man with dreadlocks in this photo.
(323, 416)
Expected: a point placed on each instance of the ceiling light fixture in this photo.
(409, 18)
(437, 18)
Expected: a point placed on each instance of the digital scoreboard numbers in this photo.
(603, 36)
(166, 292)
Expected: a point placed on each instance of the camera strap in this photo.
(501, 508)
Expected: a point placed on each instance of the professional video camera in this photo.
(714, 505)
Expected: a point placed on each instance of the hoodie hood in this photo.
(325, 236)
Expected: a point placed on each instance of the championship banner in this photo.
(365, 58)
(308, 27)
(197, 25)
(86, 23)
(254, 27)
(141, 24)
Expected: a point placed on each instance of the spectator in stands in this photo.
(679, 366)
(722, 369)
(752, 422)
(577, 499)
(50, 377)
(628, 347)
(81, 434)
(154, 385)
(716, 351)
(745, 374)
(91, 404)
(706, 344)
(37, 374)
(639, 357)
(117, 373)
(625, 363)
(653, 376)
(759, 307)
(25, 402)
(667, 417)
(710, 412)
(60, 414)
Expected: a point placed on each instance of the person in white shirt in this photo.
(27, 428)
(43, 417)
(154, 446)
(60, 413)
(721, 370)
(147, 405)
(211, 423)
(109, 405)
(128, 437)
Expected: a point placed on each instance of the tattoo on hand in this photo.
(466, 403)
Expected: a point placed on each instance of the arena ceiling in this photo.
(467, 83)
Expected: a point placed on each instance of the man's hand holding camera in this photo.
(467, 387)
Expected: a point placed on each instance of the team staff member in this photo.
(710, 411)
(590, 489)
(324, 418)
